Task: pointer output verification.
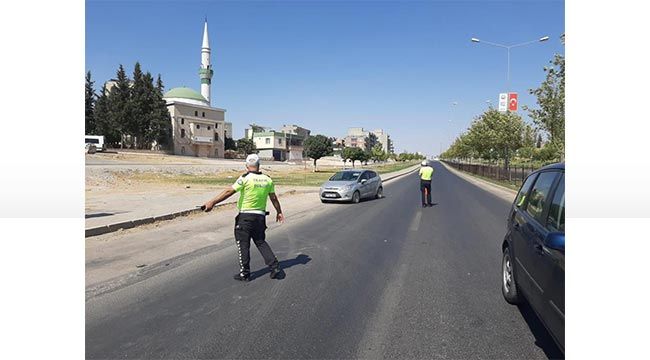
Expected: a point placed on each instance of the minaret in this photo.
(205, 72)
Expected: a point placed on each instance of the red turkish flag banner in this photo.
(512, 101)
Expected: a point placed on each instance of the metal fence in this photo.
(515, 175)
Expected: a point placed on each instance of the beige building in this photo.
(198, 128)
(357, 137)
(271, 145)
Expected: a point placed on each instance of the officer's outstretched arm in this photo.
(276, 204)
(219, 198)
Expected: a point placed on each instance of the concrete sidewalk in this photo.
(123, 211)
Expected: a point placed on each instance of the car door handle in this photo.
(516, 226)
(539, 248)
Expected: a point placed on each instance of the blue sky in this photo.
(330, 65)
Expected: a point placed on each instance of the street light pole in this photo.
(508, 47)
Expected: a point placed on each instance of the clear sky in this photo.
(330, 65)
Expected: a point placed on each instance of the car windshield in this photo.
(345, 176)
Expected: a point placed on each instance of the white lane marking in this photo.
(415, 224)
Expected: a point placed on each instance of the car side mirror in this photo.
(363, 181)
(555, 240)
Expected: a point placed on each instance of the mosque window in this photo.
(196, 113)
(216, 136)
(204, 114)
(198, 126)
(209, 127)
(182, 121)
(182, 133)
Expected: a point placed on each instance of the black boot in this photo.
(275, 272)
(240, 277)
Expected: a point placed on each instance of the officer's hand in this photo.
(279, 218)
(207, 206)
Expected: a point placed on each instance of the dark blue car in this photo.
(533, 249)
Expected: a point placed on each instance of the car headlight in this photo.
(348, 187)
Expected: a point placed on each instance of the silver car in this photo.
(352, 185)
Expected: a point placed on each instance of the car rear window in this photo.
(92, 141)
(539, 194)
(345, 176)
(555, 220)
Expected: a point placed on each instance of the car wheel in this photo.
(380, 193)
(508, 283)
(356, 197)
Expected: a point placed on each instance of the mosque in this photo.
(198, 128)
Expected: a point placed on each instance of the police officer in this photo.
(254, 188)
(426, 172)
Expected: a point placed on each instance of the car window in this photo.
(345, 176)
(539, 194)
(521, 196)
(365, 175)
(373, 174)
(555, 220)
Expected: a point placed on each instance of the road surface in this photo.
(381, 279)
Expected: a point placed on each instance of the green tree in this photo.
(371, 141)
(377, 153)
(495, 135)
(230, 144)
(91, 126)
(120, 104)
(104, 118)
(317, 146)
(549, 114)
(141, 108)
(356, 154)
(158, 127)
(246, 146)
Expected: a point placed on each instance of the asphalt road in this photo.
(381, 279)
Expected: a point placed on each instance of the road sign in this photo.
(503, 102)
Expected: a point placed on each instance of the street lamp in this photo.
(508, 47)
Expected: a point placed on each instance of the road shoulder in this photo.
(500, 191)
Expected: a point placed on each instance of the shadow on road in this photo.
(284, 264)
(543, 339)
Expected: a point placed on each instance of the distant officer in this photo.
(254, 188)
(426, 172)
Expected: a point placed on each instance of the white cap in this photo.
(424, 163)
(252, 160)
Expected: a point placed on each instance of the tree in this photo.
(120, 104)
(104, 118)
(371, 141)
(317, 146)
(158, 128)
(549, 116)
(246, 146)
(91, 126)
(377, 153)
(141, 102)
(229, 144)
(355, 154)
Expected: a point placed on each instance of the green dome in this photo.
(184, 93)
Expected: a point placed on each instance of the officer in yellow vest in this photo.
(254, 188)
(426, 172)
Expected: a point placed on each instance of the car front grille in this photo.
(331, 195)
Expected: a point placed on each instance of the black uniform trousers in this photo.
(425, 184)
(247, 227)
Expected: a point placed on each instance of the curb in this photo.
(129, 224)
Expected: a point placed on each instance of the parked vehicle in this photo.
(97, 140)
(533, 248)
(352, 185)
